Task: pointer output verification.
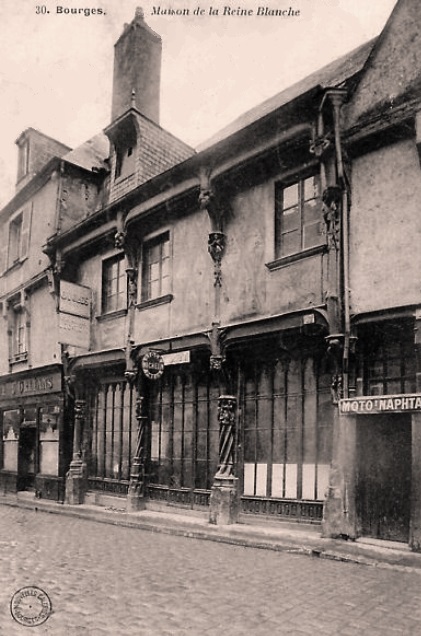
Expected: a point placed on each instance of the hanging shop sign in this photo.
(75, 299)
(153, 365)
(74, 331)
(404, 403)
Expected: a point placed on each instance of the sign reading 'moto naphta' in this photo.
(381, 404)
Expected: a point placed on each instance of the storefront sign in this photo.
(179, 357)
(74, 330)
(75, 299)
(28, 386)
(381, 404)
(152, 365)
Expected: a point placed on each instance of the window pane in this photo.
(154, 289)
(290, 243)
(312, 234)
(114, 284)
(311, 188)
(290, 196)
(156, 268)
(290, 220)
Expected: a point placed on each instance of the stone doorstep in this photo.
(282, 537)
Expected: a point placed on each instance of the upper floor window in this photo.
(23, 160)
(19, 334)
(17, 246)
(156, 267)
(299, 218)
(15, 239)
(18, 331)
(114, 284)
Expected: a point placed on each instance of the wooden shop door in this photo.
(384, 476)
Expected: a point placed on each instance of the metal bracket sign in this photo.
(153, 365)
(371, 405)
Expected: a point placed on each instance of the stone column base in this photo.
(76, 483)
(135, 498)
(224, 504)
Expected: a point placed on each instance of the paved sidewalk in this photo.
(279, 536)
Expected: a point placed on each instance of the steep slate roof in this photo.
(91, 154)
(332, 75)
(159, 150)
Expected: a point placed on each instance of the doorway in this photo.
(27, 458)
(384, 476)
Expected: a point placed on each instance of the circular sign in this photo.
(30, 606)
(152, 365)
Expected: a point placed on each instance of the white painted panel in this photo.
(309, 477)
(291, 481)
(322, 480)
(277, 480)
(49, 458)
(249, 479)
(261, 480)
(10, 455)
(155, 441)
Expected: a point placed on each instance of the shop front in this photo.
(375, 477)
(35, 444)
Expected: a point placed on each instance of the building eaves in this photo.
(333, 75)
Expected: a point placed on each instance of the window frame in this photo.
(18, 333)
(298, 180)
(23, 159)
(107, 305)
(157, 240)
(15, 240)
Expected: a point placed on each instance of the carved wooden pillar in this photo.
(76, 475)
(224, 496)
(137, 487)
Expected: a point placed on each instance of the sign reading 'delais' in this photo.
(152, 365)
(381, 404)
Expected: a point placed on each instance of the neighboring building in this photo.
(53, 189)
(256, 304)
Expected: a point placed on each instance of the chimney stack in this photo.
(137, 70)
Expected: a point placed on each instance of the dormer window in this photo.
(124, 162)
(23, 159)
(124, 135)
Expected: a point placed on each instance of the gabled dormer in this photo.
(34, 152)
(140, 148)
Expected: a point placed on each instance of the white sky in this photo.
(56, 70)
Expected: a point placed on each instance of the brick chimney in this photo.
(137, 70)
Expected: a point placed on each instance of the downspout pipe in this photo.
(337, 99)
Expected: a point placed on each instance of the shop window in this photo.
(389, 360)
(299, 220)
(114, 284)
(114, 431)
(156, 268)
(11, 426)
(49, 440)
(288, 423)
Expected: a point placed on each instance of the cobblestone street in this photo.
(103, 579)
